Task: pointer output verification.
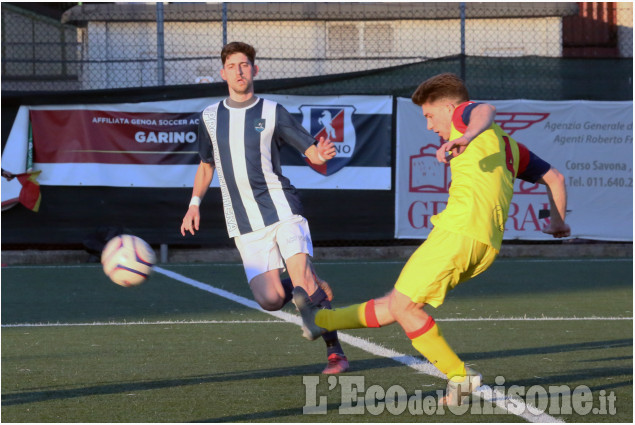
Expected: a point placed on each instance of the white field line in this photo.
(484, 391)
(379, 262)
(238, 322)
(140, 323)
(529, 319)
(335, 263)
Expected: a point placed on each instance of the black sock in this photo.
(330, 338)
(288, 290)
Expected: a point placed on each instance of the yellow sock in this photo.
(430, 343)
(352, 317)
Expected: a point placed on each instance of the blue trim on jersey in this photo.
(222, 136)
(536, 168)
(467, 111)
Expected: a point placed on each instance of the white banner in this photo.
(590, 143)
(154, 144)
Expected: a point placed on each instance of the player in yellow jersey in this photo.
(467, 235)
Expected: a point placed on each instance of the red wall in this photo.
(593, 33)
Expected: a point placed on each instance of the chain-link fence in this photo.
(119, 45)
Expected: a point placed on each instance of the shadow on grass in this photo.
(315, 417)
(314, 369)
(126, 387)
(581, 377)
(278, 415)
(563, 348)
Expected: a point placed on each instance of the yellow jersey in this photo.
(482, 184)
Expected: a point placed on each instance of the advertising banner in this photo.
(155, 144)
(590, 143)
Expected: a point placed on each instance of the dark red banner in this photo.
(111, 137)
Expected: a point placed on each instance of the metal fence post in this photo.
(224, 23)
(462, 9)
(160, 46)
(163, 253)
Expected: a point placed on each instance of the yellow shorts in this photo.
(443, 261)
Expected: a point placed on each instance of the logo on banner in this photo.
(336, 124)
(427, 174)
(511, 122)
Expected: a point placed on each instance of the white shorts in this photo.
(267, 249)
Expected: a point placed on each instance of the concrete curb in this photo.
(178, 255)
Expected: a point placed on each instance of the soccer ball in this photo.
(127, 260)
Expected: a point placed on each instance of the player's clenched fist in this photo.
(561, 230)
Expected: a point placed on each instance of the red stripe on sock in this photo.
(370, 315)
(428, 325)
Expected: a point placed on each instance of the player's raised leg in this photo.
(424, 333)
(295, 246)
(370, 314)
(301, 273)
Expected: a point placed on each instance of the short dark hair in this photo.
(446, 85)
(238, 47)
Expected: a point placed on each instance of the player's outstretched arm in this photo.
(557, 191)
(322, 152)
(481, 118)
(202, 180)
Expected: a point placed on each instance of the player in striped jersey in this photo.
(240, 138)
(467, 234)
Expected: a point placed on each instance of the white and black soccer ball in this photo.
(127, 260)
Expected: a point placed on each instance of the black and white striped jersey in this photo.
(244, 145)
